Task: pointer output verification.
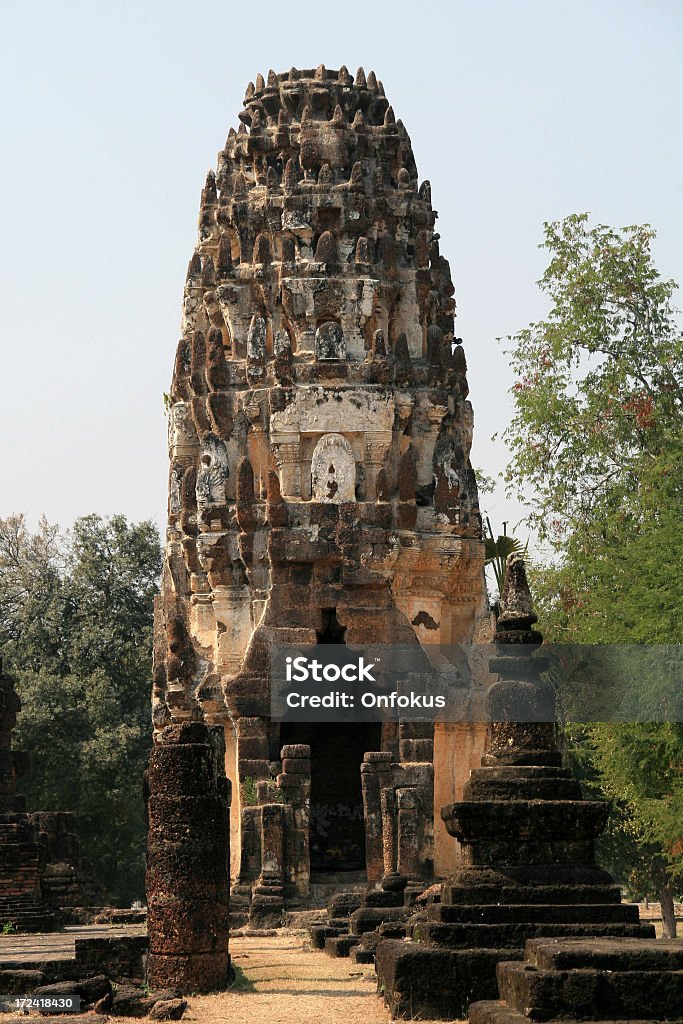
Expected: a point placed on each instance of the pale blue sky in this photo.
(518, 113)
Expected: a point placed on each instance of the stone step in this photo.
(527, 783)
(31, 923)
(341, 945)
(606, 954)
(530, 789)
(343, 904)
(321, 933)
(492, 1012)
(592, 895)
(379, 898)
(519, 772)
(513, 913)
(338, 922)
(23, 899)
(430, 982)
(588, 993)
(484, 821)
(325, 885)
(370, 940)
(300, 920)
(359, 955)
(483, 936)
(366, 919)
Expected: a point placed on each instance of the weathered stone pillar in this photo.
(389, 829)
(295, 784)
(188, 859)
(23, 849)
(287, 453)
(376, 773)
(268, 904)
(409, 807)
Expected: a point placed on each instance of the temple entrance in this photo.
(337, 825)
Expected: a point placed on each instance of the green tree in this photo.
(599, 390)
(76, 632)
(637, 766)
(597, 449)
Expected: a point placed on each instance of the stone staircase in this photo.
(358, 919)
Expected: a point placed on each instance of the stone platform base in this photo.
(499, 1013)
(75, 953)
(424, 982)
(599, 980)
(424, 979)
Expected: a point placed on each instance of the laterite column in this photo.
(188, 858)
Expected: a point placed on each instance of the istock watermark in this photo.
(303, 670)
(584, 683)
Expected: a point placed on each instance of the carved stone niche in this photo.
(213, 471)
(333, 470)
(183, 443)
(329, 342)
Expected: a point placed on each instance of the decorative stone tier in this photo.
(527, 855)
(188, 860)
(598, 980)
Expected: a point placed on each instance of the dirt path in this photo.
(282, 981)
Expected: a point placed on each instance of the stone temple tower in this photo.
(320, 486)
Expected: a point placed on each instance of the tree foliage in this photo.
(76, 632)
(599, 390)
(597, 448)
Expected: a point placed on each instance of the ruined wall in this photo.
(319, 428)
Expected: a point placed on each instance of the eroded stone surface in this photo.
(187, 877)
(320, 481)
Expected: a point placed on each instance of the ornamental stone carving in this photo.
(329, 342)
(333, 470)
(212, 474)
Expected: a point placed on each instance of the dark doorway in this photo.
(337, 827)
(332, 632)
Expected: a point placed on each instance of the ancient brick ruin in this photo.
(44, 882)
(320, 491)
(320, 487)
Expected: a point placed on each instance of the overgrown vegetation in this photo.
(76, 633)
